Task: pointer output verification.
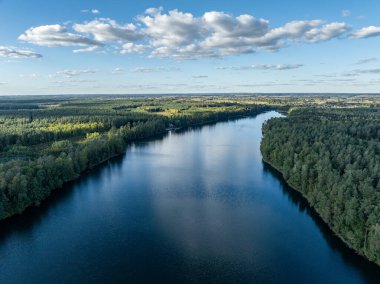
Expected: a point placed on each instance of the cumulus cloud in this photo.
(131, 47)
(302, 31)
(180, 35)
(108, 30)
(233, 35)
(152, 11)
(191, 51)
(12, 52)
(326, 32)
(366, 32)
(56, 35)
(173, 29)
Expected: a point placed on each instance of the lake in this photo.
(192, 206)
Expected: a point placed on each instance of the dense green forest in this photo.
(47, 141)
(332, 156)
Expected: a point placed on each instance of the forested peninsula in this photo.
(332, 156)
(46, 142)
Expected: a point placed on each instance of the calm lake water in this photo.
(195, 206)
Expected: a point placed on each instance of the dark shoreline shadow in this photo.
(34, 215)
(369, 270)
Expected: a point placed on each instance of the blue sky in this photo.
(127, 47)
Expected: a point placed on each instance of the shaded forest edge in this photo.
(332, 157)
(43, 147)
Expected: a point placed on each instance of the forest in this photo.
(332, 156)
(48, 141)
(326, 146)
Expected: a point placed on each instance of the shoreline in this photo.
(317, 214)
(149, 137)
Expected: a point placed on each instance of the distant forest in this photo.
(332, 156)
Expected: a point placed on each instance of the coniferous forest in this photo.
(332, 156)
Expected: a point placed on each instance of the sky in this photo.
(189, 46)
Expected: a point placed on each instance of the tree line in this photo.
(40, 150)
(332, 156)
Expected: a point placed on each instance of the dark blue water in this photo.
(196, 206)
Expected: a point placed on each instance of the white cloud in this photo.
(12, 52)
(154, 69)
(70, 83)
(118, 70)
(109, 30)
(366, 60)
(86, 49)
(241, 26)
(152, 11)
(131, 47)
(326, 32)
(368, 71)
(302, 31)
(179, 35)
(366, 32)
(191, 51)
(31, 76)
(233, 35)
(173, 29)
(72, 73)
(346, 13)
(183, 36)
(92, 11)
(278, 67)
(292, 31)
(55, 35)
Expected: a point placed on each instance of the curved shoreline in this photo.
(358, 253)
(335, 234)
(157, 134)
